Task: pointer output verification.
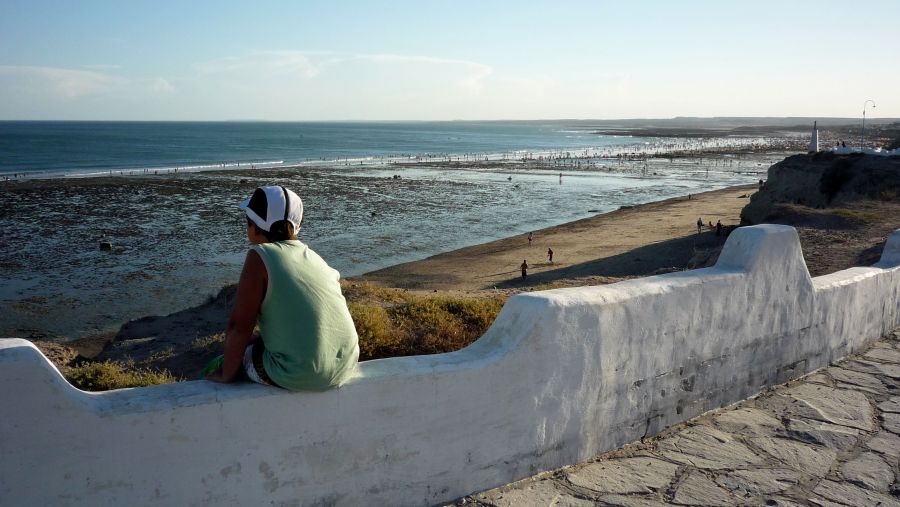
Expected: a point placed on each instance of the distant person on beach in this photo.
(550, 255)
(307, 340)
(524, 268)
(699, 225)
(530, 238)
(718, 227)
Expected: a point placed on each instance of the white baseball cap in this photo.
(270, 204)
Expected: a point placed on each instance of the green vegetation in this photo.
(107, 375)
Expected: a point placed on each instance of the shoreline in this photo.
(670, 250)
(361, 219)
(634, 241)
(579, 247)
(668, 147)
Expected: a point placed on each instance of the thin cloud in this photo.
(102, 66)
(263, 64)
(162, 86)
(69, 83)
(471, 81)
(312, 64)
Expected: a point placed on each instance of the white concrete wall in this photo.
(561, 375)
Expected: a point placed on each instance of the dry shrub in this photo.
(857, 215)
(374, 329)
(414, 325)
(371, 293)
(205, 342)
(107, 375)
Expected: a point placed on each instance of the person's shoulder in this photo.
(254, 263)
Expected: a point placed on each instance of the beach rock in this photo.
(810, 431)
(806, 458)
(631, 501)
(624, 476)
(850, 379)
(847, 494)
(778, 501)
(836, 406)
(883, 354)
(892, 405)
(818, 378)
(887, 444)
(705, 447)
(540, 493)
(698, 489)
(762, 481)
(869, 471)
(748, 421)
(861, 365)
(891, 422)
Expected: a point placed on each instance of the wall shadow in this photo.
(665, 256)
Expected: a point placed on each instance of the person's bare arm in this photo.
(250, 294)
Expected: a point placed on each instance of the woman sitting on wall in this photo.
(306, 339)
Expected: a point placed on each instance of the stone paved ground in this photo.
(829, 439)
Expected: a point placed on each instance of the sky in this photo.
(442, 60)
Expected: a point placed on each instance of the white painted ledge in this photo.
(562, 375)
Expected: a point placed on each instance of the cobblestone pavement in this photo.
(828, 439)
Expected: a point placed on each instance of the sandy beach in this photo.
(635, 241)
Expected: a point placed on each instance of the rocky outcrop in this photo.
(823, 180)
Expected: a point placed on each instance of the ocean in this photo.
(375, 194)
(42, 148)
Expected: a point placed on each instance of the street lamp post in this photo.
(862, 135)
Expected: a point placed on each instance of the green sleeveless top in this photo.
(309, 336)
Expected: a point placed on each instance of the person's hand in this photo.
(218, 376)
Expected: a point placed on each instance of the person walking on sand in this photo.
(550, 255)
(699, 225)
(307, 340)
(524, 268)
(530, 238)
(718, 227)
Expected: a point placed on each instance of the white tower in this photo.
(814, 141)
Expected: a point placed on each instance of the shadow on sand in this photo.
(665, 256)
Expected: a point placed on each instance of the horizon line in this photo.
(260, 120)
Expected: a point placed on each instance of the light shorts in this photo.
(253, 363)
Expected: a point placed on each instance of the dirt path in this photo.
(629, 242)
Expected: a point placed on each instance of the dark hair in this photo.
(281, 230)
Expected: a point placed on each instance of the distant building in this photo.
(814, 141)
